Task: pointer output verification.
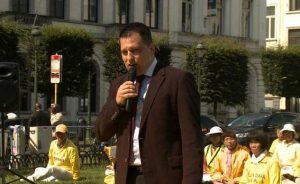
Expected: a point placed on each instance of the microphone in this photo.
(131, 77)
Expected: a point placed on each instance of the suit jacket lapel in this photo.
(156, 82)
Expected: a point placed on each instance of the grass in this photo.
(89, 175)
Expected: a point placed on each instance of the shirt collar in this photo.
(256, 160)
(149, 72)
(290, 143)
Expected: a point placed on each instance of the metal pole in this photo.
(199, 83)
(200, 57)
(36, 33)
(55, 93)
(89, 105)
(3, 137)
(35, 76)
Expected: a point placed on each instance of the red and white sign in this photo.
(56, 63)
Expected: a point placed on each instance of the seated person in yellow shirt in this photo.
(63, 159)
(276, 141)
(212, 150)
(261, 168)
(288, 155)
(229, 165)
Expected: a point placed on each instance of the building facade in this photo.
(283, 25)
(183, 22)
(282, 29)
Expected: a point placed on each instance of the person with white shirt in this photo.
(288, 154)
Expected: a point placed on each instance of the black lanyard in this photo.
(215, 154)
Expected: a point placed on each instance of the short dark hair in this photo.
(258, 137)
(229, 133)
(38, 105)
(139, 28)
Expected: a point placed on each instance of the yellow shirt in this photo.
(264, 171)
(239, 156)
(65, 157)
(210, 155)
(274, 145)
(288, 155)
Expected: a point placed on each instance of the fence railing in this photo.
(91, 152)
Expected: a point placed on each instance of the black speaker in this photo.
(9, 86)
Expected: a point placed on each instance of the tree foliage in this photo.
(281, 71)
(221, 71)
(11, 34)
(76, 46)
(113, 66)
(9, 40)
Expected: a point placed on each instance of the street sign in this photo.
(56, 63)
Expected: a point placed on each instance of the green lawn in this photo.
(89, 175)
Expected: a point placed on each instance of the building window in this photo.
(246, 18)
(25, 101)
(123, 11)
(57, 8)
(151, 13)
(20, 6)
(270, 22)
(219, 24)
(90, 10)
(211, 7)
(83, 106)
(186, 15)
(294, 37)
(294, 5)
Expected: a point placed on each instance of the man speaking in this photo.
(158, 135)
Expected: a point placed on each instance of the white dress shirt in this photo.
(139, 110)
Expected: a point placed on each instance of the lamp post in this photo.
(200, 48)
(35, 33)
(89, 61)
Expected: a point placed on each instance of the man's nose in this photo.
(130, 56)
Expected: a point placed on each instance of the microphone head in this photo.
(132, 73)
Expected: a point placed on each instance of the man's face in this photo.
(60, 137)
(230, 143)
(135, 52)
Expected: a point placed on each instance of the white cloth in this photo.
(56, 118)
(50, 173)
(256, 160)
(139, 110)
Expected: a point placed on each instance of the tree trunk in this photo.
(287, 103)
(215, 109)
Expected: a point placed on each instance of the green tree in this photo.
(281, 72)
(113, 66)
(221, 71)
(11, 35)
(76, 45)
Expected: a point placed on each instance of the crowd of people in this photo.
(225, 161)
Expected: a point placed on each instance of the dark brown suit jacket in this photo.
(170, 135)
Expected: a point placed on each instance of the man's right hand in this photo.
(126, 90)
